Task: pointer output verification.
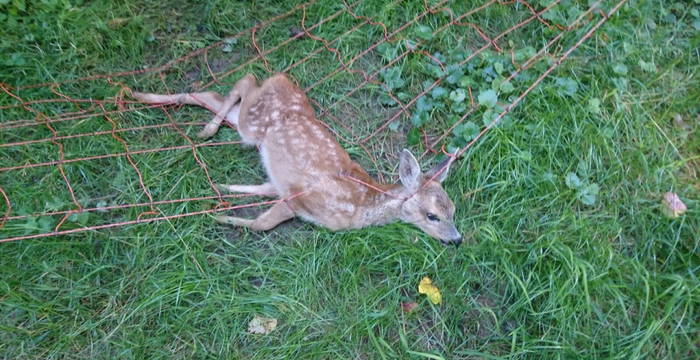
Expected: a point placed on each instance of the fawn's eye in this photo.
(432, 217)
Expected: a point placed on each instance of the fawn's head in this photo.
(427, 206)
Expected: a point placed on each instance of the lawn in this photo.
(568, 252)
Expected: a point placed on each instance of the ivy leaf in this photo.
(455, 76)
(568, 85)
(394, 126)
(488, 98)
(424, 32)
(488, 74)
(228, 45)
(573, 181)
(80, 218)
(506, 87)
(46, 223)
(594, 105)
(404, 96)
(465, 82)
(419, 118)
(385, 99)
(435, 70)
(620, 69)
(424, 104)
(696, 24)
(458, 107)
(498, 67)
(458, 95)
(392, 78)
(489, 116)
(525, 53)
(54, 204)
(467, 131)
(438, 92)
(588, 194)
(387, 51)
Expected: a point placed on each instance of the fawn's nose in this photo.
(456, 238)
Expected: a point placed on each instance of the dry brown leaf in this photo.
(679, 122)
(117, 22)
(673, 207)
(408, 307)
(261, 325)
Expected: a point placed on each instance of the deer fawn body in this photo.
(309, 168)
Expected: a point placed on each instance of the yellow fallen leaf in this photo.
(261, 325)
(426, 287)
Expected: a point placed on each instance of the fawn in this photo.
(310, 171)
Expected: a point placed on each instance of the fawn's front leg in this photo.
(278, 213)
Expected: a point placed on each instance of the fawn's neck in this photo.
(384, 206)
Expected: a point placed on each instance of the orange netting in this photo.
(66, 115)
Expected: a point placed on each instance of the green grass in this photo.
(542, 276)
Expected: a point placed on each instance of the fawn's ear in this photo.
(409, 170)
(438, 173)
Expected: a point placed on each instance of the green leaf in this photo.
(467, 131)
(392, 78)
(438, 92)
(424, 32)
(385, 99)
(458, 95)
(413, 137)
(394, 126)
(488, 98)
(424, 104)
(229, 44)
(506, 87)
(696, 25)
(435, 70)
(588, 194)
(572, 181)
(454, 76)
(46, 224)
(620, 69)
(55, 204)
(498, 67)
(418, 119)
(387, 51)
(594, 105)
(569, 86)
(458, 107)
(465, 82)
(19, 4)
(489, 116)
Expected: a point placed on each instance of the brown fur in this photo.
(309, 168)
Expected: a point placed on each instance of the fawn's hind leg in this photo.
(278, 213)
(227, 108)
(239, 91)
(265, 189)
